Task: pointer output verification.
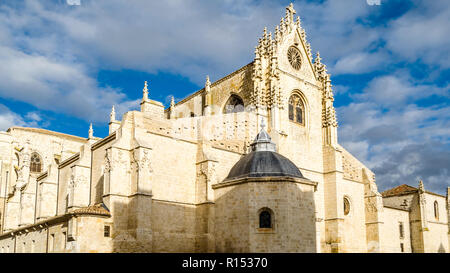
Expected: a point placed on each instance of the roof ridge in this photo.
(399, 190)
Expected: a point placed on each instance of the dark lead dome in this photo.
(263, 161)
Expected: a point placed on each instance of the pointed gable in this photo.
(291, 36)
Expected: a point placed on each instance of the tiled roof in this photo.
(400, 190)
(98, 209)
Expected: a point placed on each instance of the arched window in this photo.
(296, 109)
(436, 210)
(35, 163)
(234, 104)
(265, 219)
(346, 206)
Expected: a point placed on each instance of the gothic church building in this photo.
(249, 163)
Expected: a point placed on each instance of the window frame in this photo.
(270, 229)
(347, 200)
(224, 109)
(33, 164)
(401, 230)
(107, 231)
(297, 101)
(436, 210)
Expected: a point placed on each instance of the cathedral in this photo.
(249, 163)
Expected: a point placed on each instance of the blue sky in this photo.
(63, 66)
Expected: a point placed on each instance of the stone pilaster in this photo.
(373, 202)
(333, 175)
(78, 188)
(46, 193)
(204, 195)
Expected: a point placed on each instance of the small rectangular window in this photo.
(107, 231)
(51, 242)
(402, 248)
(401, 230)
(64, 239)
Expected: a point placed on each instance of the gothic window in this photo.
(436, 210)
(346, 206)
(35, 163)
(296, 109)
(265, 219)
(234, 104)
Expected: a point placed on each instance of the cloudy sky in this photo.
(62, 66)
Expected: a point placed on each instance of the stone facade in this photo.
(156, 182)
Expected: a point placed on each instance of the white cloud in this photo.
(359, 63)
(55, 85)
(9, 119)
(394, 89)
(33, 116)
(396, 138)
(422, 34)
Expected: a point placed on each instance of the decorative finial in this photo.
(172, 102)
(91, 131)
(291, 9)
(113, 114)
(208, 82)
(263, 141)
(421, 187)
(145, 92)
(318, 59)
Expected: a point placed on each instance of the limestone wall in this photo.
(436, 238)
(47, 193)
(51, 147)
(173, 226)
(392, 239)
(90, 236)
(74, 181)
(237, 217)
(53, 238)
(98, 168)
(238, 82)
(354, 224)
